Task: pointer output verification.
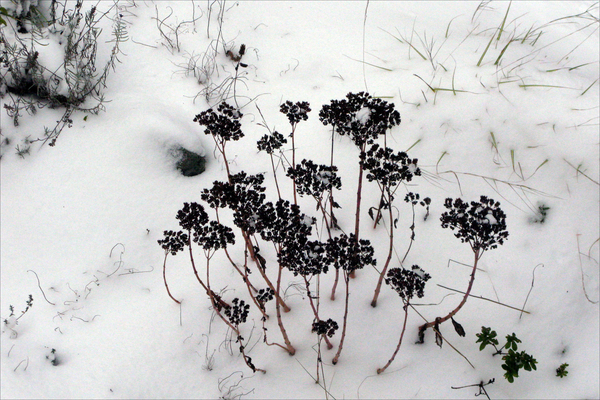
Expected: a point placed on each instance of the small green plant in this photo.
(561, 371)
(513, 360)
(53, 358)
(13, 321)
(540, 214)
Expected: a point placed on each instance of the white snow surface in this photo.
(521, 128)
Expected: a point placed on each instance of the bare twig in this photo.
(530, 289)
(26, 365)
(582, 274)
(120, 262)
(40, 286)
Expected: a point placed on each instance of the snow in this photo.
(85, 215)
(490, 219)
(363, 115)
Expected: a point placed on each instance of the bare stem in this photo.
(294, 161)
(341, 345)
(165, 279)
(359, 196)
(332, 219)
(210, 293)
(275, 176)
(290, 349)
(380, 370)
(478, 253)
(387, 261)
(335, 283)
(262, 272)
(315, 311)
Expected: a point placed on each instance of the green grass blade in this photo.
(438, 161)
(504, 21)
(494, 143)
(418, 52)
(486, 49)
(502, 52)
(413, 145)
(540, 166)
(526, 35)
(589, 87)
(448, 27)
(512, 159)
(453, 73)
(432, 89)
(548, 86)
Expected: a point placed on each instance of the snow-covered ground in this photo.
(521, 127)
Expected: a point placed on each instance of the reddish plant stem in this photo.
(412, 234)
(221, 148)
(478, 253)
(290, 349)
(380, 370)
(294, 161)
(209, 292)
(359, 195)
(315, 311)
(275, 176)
(335, 283)
(344, 324)
(387, 261)
(251, 289)
(165, 279)
(358, 201)
(250, 249)
(332, 219)
(267, 341)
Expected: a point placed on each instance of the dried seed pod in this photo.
(458, 328)
(438, 336)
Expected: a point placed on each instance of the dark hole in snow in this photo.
(188, 162)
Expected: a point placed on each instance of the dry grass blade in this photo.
(581, 172)
(486, 299)
(582, 274)
(372, 65)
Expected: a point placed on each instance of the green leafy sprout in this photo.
(513, 359)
